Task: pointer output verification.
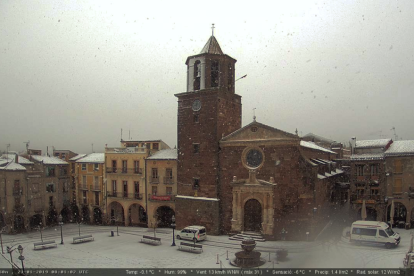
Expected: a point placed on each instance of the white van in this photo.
(195, 233)
(374, 232)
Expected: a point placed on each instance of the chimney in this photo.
(16, 159)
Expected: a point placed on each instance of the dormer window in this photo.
(197, 75)
(214, 73)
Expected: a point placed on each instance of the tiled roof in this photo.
(93, 158)
(170, 154)
(212, 47)
(401, 148)
(378, 143)
(314, 146)
(49, 160)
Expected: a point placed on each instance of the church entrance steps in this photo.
(251, 235)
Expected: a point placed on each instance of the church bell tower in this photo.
(207, 111)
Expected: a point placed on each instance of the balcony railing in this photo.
(17, 192)
(125, 195)
(367, 198)
(83, 187)
(161, 197)
(168, 180)
(124, 170)
(154, 180)
(95, 188)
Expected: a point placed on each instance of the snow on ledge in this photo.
(197, 197)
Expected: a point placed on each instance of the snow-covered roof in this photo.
(212, 47)
(49, 160)
(197, 197)
(367, 156)
(321, 176)
(93, 158)
(21, 160)
(13, 167)
(79, 156)
(378, 143)
(170, 154)
(401, 148)
(320, 138)
(314, 146)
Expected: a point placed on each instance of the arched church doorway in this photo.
(164, 216)
(252, 216)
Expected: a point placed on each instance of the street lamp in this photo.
(21, 257)
(61, 225)
(79, 223)
(40, 229)
(173, 227)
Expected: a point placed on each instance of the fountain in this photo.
(248, 257)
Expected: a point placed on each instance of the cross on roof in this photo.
(212, 29)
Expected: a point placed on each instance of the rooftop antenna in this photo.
(254, 114)
(27, 146)
(129, 134)
(212, 30)
(395, 133)
(121, 134)
(92, 148)
(8, 147)
(296, 131)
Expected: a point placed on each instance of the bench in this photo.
(83, 239)
(190, 247)
(44, 245)
(151, 240)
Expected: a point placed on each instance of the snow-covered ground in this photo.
(126, 251)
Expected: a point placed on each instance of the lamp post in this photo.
(9, 250)
(40, 229)
(80, 222)
(61, 225)
(173, 227)
(21, 257)
(1, 239)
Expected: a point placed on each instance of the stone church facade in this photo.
(256, 178)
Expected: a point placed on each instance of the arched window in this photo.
(214, 73)
(229, 76)
(197, 75)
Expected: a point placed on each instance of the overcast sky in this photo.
(73, 73)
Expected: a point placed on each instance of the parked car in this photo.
(195, 233)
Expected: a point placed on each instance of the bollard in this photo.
(221, 267)
(217, 259)
(112, 233)
(227, 255)
(269, 256)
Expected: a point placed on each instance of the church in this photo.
(256, 178)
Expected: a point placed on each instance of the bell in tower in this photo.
(210, 69)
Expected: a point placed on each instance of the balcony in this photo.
(132, 196)
(161, 197)
(83, 187)
(360, 178)
(154, 180)
(123, 170)
(17, 192)
(95, 188)
(168, 180)
(369, 199)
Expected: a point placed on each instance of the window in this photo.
(83, 167)
(63, 156)
(56, 154)
(196, 183)
(229, 76)
(196, 118)
(398, 166)
(397, 186)
(50, 171)
(359, 170)
(136, 187)
(114, 187)
(63, 171)
(96, 181)
(169, 190)
(214, 73)
(124, 166)
(136, 166)
(155, 146)
(168, 173)
(154, 173)
(96, 167)
(197, 75)
(35, 189)
(84, 180)
(50, 201)
(50, 187)
(85, 199)
(125, 185)
(374, 169)
(114, 166)
(96, 198)
(16, 188)
(383, 234)
(154, 190)
(196, 148)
